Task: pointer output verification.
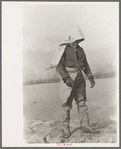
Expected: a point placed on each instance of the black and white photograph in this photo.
(63, 59)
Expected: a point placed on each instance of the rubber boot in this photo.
(66, 123)
(84, 119)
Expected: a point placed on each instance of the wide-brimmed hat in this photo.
(75, 34)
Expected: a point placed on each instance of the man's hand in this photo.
(68, 81)
(92, 82)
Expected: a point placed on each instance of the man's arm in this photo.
(88, 72)
(87, 69)
(61, 68)
(62, 72)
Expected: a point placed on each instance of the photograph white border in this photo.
(12, 79)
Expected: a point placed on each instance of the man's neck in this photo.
(74, 47)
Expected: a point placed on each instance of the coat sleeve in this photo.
(61, 68)
(87, 69)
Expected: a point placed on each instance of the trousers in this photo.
(65, 91)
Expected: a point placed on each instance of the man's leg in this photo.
(66, 121)
(65, 93)
(84, 117)
(82, 108)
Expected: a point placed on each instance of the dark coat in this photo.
(73, 59)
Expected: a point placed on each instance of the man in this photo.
(73, 61)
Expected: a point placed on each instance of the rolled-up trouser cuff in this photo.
(67, 108)
(79, 102)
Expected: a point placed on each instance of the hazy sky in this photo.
(45, 26)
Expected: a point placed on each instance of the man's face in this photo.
(75, 43)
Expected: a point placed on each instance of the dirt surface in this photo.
(42, 103)
(52, 132)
